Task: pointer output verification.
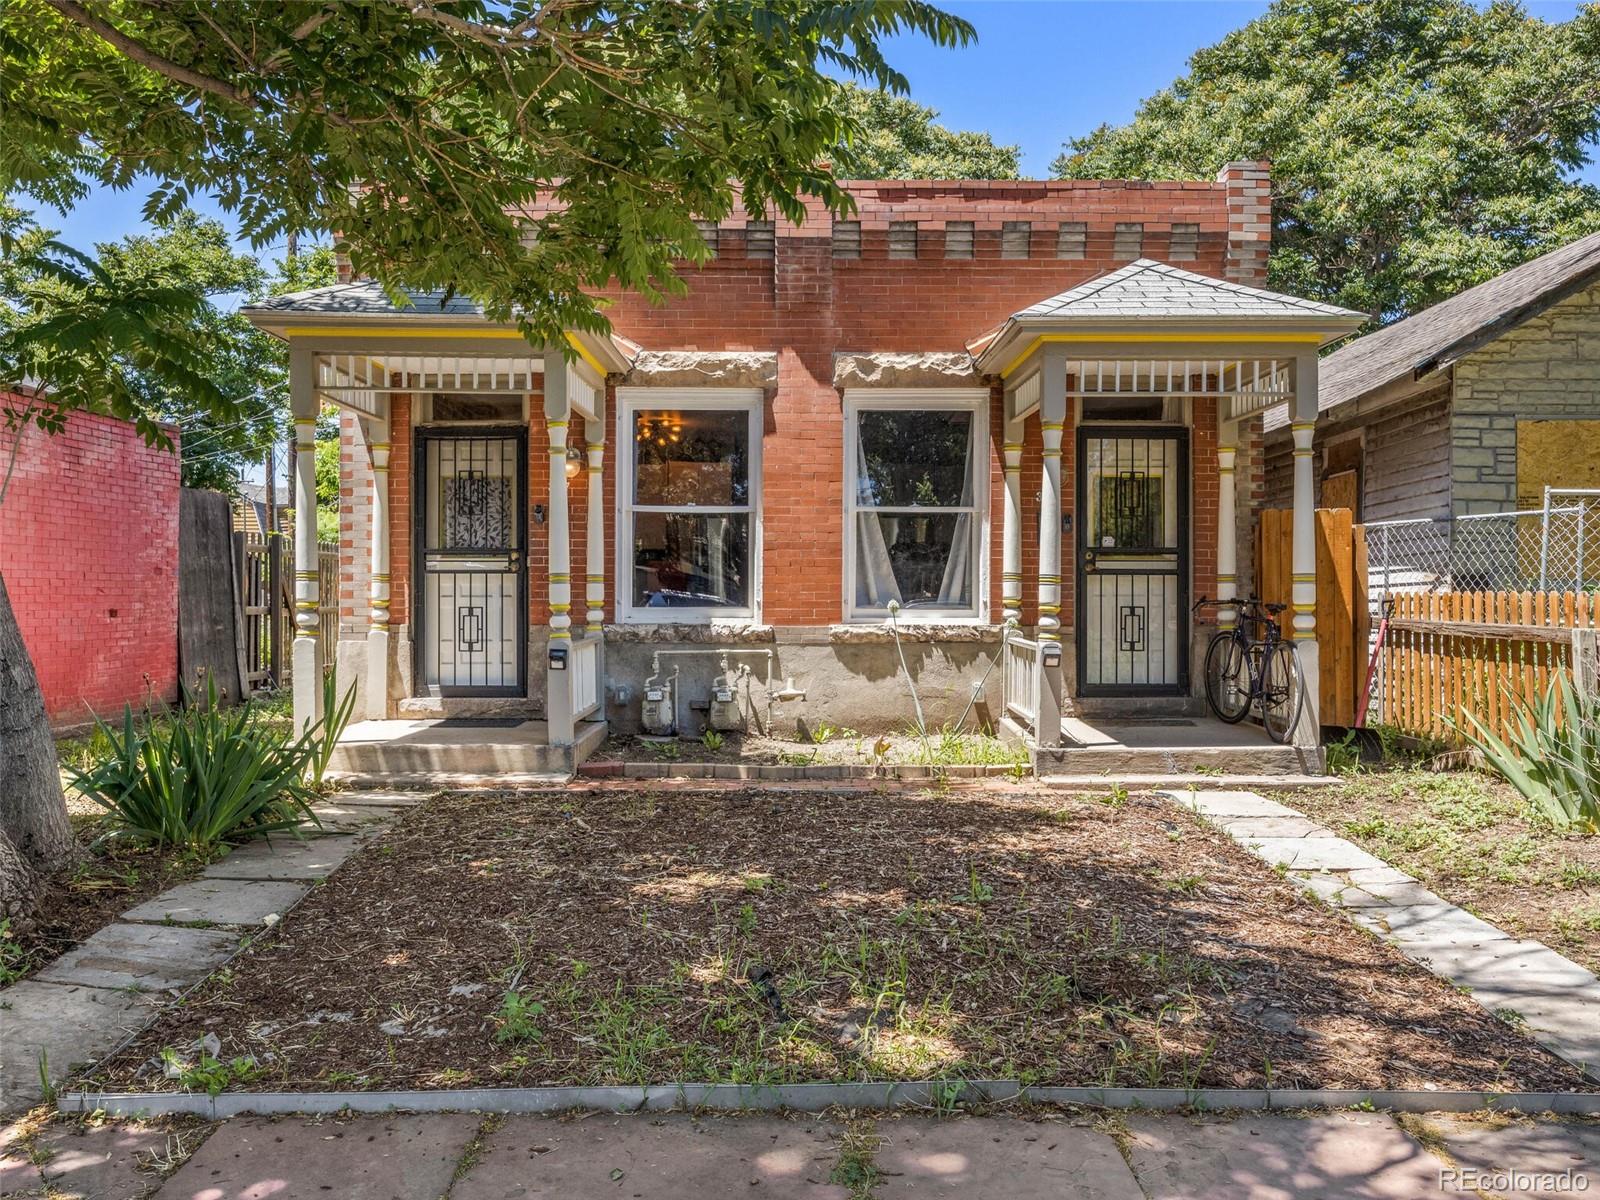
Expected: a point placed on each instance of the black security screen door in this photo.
(1133, 561)
(471, 528)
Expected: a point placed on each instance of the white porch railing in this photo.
(583, 675)
(1019, 674)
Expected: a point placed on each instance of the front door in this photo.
(472, 626)
(1133, 561)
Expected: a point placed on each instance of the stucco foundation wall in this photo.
(849, 684)
(1548, 368)
(89, 551)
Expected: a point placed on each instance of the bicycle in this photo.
(1245, 670)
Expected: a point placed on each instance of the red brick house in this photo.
(972, 403)
(89, 548)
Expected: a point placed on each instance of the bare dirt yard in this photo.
(1474, 840)
(629, 935)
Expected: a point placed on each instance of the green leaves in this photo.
(417, 135)
(208, 774)
(1416, 148)
(891, 137)
(1553, 757)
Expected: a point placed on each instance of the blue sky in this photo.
(1043, 70)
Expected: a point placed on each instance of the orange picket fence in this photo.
(1452, 652)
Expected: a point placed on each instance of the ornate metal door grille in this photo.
(1132, 561)
(472, 627)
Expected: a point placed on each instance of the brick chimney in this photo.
(1249, 187)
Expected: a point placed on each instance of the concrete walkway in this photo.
(85, 1003)
(461, 1156)
(1552, 998)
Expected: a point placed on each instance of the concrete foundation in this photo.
(851, 676)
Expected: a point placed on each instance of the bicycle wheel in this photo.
(1283, 692)
(1227, 678)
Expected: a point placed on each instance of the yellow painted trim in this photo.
(584, 354)
(1134, 338)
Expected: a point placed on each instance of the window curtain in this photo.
(875, 582)
(953, 589)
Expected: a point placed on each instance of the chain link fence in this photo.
(1553, 548)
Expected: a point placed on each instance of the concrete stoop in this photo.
(427, 752)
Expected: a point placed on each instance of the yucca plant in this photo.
(206, 775)
(1553, 757)
(335, 716)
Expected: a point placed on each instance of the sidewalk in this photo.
(462, 1156)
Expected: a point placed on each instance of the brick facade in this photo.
(89, 549)
(806, 300)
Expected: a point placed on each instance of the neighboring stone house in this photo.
(973, 403)
(1475, 405)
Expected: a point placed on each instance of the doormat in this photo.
(480, 722)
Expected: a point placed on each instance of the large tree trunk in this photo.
(33, 811)
(17, 883)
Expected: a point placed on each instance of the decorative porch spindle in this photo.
(377, 683)
(1011, 562)
(1052, 422)
(595, 556)
(1227, 526)
(307, 594)
(558, 690)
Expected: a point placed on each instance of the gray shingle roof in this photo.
(1146, 288)
(1437, 336)
(365, 298)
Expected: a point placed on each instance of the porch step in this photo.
(445, 753)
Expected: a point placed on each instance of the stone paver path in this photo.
(83, 1005)
(458, 1156)
(1558, 1000)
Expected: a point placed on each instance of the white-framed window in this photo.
(916, 503)
(689, 504)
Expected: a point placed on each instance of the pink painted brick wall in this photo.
(89, 551)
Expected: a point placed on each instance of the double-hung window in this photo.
(916, 483)
(689, 501)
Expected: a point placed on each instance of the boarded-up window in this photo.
(958, 239)
(1559, 454)
(1016, 239)
(1128, 241)
(1071, 239)
(847, 239)
(902, 239)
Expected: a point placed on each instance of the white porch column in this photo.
(377, 681)
(1227, 524)
(307, 646)
(1011, 557)
(1052, 421)
(558, 688)
(1303, 426)
(594, 589)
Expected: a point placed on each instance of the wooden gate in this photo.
(1342, 618)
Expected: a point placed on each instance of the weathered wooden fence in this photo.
(266, 609)
(328, 601)
(1452, 652)
(1342, 623)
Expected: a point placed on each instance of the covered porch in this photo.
(1143, 389)
(457, 614)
